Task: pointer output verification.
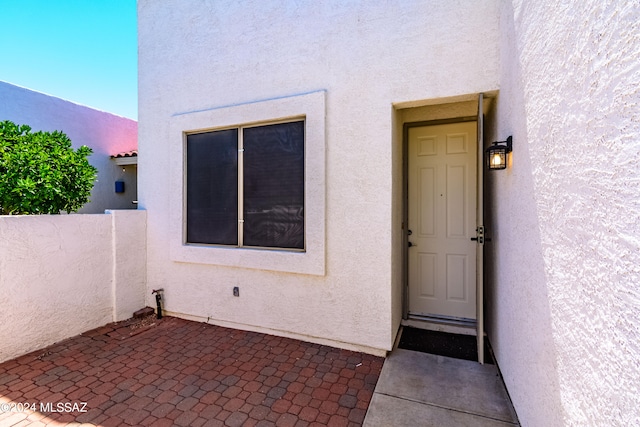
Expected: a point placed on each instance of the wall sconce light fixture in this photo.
(497, 154)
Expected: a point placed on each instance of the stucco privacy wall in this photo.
(198, 56)
(58, 277)
(566, 251)
(129, 252)
(105, 133)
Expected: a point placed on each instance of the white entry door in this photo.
(442, 168)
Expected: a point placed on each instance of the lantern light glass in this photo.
(497, 154)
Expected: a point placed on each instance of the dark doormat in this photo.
(443, 344)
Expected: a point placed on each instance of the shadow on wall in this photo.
(518, 315)
(119, 192)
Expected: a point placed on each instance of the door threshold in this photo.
(441, 324)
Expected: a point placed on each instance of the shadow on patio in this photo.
(178, 372)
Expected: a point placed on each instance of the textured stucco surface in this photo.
(58, 277)
(565, 258)
(105, 133)
(196, 56)
(129, 249)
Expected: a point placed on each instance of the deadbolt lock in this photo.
(479, 235)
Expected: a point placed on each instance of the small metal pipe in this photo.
(158, 293)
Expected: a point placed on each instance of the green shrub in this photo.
(40, 173)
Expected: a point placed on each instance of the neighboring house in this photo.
(107, 134)
(373, 108)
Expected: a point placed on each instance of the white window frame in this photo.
(311, 108)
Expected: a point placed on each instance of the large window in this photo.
(245, 186)
(270, 197)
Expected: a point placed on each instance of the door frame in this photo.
(405, 198)
(478, 325)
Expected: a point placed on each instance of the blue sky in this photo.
(84, 51)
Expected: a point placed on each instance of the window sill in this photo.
(262, 259)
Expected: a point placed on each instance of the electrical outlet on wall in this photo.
(236, 291)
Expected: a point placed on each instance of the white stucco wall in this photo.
(365, 56)
(105, 133)
(565, 259)
(58, 277)
(129, 251)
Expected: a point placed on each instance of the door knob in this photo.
(411, 244)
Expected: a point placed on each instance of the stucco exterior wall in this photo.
(565, 257)
(58, 277)
(129, 251)
(105, 133)
(207, 56)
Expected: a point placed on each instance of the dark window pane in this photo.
(274, 185)
(212, 187)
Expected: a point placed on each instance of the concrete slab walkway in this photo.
(419, 389)
(178, 372)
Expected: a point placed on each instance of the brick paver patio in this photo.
(178, 372)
